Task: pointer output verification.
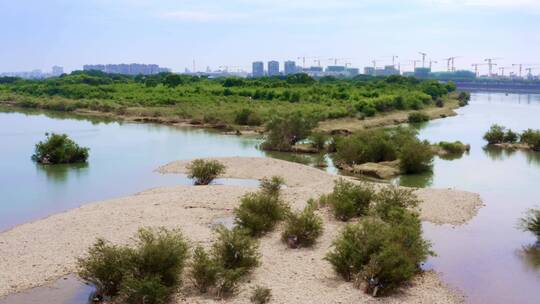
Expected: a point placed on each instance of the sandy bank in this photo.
(36, 253)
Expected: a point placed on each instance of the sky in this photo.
(37, 34)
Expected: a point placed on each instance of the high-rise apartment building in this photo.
(273, 68)
(257, 69)
(290, 67)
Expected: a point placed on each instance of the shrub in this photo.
(417, 117)
(285, 131)
(531, 138)
(391, 197)
(350, 200)
(105, 266)
(247, 117)
(272, 185)
(464, 98)
(259, 212)
(439, 103)
(318, 141)
(205, 171)
(147, 290)
(382, 254)
(204, 270)
(495, 135)
(510, 136)
(366, 146)
(59, 149)
(150, 271)
(416, 157)
(302, 228)
(456, 147)
(531, 222)
(261, 295)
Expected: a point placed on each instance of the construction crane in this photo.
(502, 69)
(394, 57)
(431, 62)
(491, 65)
(318, 61)
(375, 63)
(476, 65)
(423, 59)
(304, 60)
(450, 63)
(521, 65)
(414, 63)
(338, 59)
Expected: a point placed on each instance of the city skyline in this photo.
(174, 34)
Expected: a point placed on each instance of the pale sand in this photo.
(36, 253)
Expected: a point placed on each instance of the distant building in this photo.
(369, 71)
(352, 71)
(273, 68)
(422, 72)
(127, 69)
(335, 69)
(387, 71)
(57, 71)
(257, 69)
(290, 67)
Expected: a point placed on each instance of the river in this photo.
(484, 258)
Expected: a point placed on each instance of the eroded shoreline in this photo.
(36, 253)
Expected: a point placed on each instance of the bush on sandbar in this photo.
(349, 200)
(302, 228)
(205, 171)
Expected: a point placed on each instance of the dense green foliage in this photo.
(417, 117)
(378, 145)
(285, 131)
(531, 138)
(349, 200)
(205, 171)
(302, 228)
(498, 134)
(415, 157)
(59, 149)
(190, 97)
(382, 253)
(495, 135)
(456, 147)
(151, 270)
(531, 222)
(204, 271)
(259, 212)
(392, 197)
(464, 98)
(261, 295)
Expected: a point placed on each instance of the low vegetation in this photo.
(464, 98)
(500, 135)
(231, 101)
(416, 157)
(456, 147)
(417, 117)
(59, 149)
(302, 229)
(261, 295)
(531, 222)
(205, 171)
(259, 212)
(148, 272)
(385, 249)
(283, 132)
(349, 200)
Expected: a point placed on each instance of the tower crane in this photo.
(394, 57)
(414, 63)
(450, 63)
(491, 65)
(338, 59)
(476, 65)
(423, 59)
(374, 61)
(304, 59)
(431, 62)
(521, 65)
(502, 69)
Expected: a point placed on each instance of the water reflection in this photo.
(59, 173)
(530, 255)
(422, 180)
(497, 153)
(94, 120)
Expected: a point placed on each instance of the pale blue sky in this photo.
(41, 33)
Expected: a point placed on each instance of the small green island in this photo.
(59, 149)
(506, 138)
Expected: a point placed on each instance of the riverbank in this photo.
(36, 253)
(331, 126)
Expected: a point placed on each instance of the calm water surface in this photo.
(123, 157)
(485, 258)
